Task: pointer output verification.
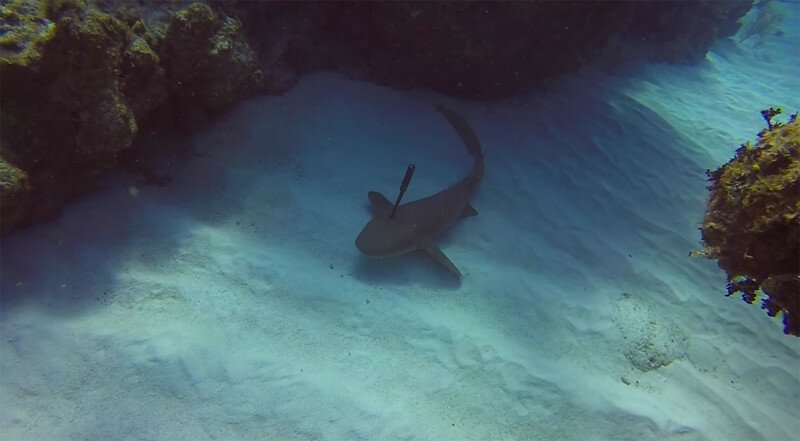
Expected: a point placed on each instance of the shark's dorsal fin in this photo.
(379, 202)
(440, 257)
(469, 211)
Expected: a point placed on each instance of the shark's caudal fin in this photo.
(463, 129)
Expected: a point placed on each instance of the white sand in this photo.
(233, 304)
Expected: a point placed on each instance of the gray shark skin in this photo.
(417, 224)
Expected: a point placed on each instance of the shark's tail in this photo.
(464, 131)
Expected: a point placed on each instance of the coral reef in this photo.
(78, 84)
(752, 222)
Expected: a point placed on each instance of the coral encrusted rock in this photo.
(752, 223)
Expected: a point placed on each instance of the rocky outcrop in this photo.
(78, 83)
(752, 223)
(209, 65)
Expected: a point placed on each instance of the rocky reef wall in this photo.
(83, 81)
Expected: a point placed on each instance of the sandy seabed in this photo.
(233, 304)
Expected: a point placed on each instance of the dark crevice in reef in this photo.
(479, 50)
(84, 81)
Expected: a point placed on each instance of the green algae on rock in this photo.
(24, 29)
(752, 222)
(12, 179)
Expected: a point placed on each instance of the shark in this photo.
(416, 225)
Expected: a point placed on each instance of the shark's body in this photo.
(416, 225)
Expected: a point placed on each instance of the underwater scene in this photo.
(399, 220)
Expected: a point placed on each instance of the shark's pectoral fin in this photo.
(440, 257)
(469, 211)
(379, 202)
